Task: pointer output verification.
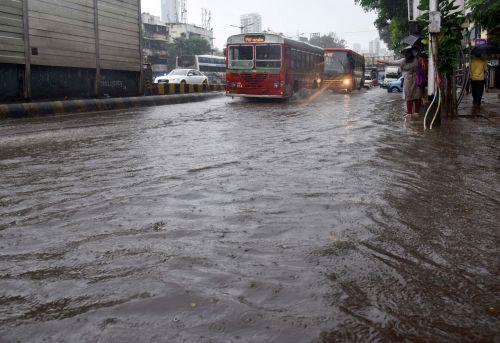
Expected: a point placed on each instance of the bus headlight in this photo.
(346, 82)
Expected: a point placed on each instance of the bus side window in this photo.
(288, 57)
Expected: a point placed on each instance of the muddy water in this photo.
(230, 221)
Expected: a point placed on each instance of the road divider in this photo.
(95, 105)
(166, 89)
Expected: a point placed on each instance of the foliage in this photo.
(218, 52)
(485, 13)
(331, 40)
(450, 38)
(392, 20)
(187, 46)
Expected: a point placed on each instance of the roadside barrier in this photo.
(166, 89)
(95, 105)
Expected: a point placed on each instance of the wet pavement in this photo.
(232, 221)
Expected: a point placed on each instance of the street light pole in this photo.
(242, 27)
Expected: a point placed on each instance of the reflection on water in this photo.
(323, 220)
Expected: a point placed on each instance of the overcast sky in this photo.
(345, 18)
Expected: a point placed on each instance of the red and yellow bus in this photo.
(344, 69)
(263, 65)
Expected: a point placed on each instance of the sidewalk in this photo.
(490, 108)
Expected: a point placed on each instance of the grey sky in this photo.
(287, 16)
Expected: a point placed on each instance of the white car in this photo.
(368, 81)
(183, 77)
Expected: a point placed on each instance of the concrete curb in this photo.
(94, 105)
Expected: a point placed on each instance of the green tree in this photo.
(330, 40)
(392, 20)
(485, 13)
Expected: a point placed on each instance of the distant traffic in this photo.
(264, 65)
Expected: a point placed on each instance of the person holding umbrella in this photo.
(412, 91)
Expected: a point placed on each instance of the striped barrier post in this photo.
(170, 89)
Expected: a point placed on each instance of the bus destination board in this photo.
(255, 39)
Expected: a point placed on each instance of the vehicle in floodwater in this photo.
(213, 67)
(263, 65)
(344, 69)
(396, 86)
(391, 74)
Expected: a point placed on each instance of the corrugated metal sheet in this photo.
(119, 34)
(62, 31)
(11, 32)
(66, 50)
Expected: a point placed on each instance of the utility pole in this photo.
(242, 27)
(434, 29)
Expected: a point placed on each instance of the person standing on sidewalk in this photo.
(413, 92)
(478, 68)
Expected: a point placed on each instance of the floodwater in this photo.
(233, 221)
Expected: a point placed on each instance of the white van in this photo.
(391, 74)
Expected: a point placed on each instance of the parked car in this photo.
(368, 81)
(183, 77)
(395, 85)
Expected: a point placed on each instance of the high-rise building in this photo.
(170, 11)
(251, 22)
(374, 47)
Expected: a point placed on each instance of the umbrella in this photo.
(485, 50)
(413, 40)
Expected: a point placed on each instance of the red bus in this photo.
(344, 69)
(262, 65)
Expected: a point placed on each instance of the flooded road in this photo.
(230, 221)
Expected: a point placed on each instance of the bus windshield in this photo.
(337, 62)
(241, 56)
(268, 56)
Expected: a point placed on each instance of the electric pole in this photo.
(434, 29)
